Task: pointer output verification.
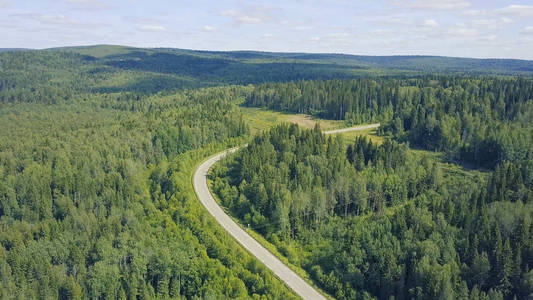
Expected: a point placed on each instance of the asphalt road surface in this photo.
(295, 282)
(356, 128)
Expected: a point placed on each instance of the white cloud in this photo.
(250, 15)
(514, 10)
(302, 27)
(93, 4)
(527, 30)
(331, 41)
(54, 19)
(475, 12)
(5, 3)
(431, 23)
(390, 19)
(339, 35)
(381, 31)
(433, 4)
(489, 39)
(492, 23)
(242, 18)
(153, 28)
(446, 27)
(464, 32)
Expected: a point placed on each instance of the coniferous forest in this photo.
(380, 220)
(95, 201)
(478, 120)
(98, 146)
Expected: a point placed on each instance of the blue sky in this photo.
(466, 28)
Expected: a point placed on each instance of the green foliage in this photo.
(382, 220)
(97, 150)
(96, 201)
(55, 74)
(392, 64)
(480, 121)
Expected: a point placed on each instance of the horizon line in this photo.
(260, 51)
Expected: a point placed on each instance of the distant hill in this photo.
(98, 51)
(112, 68)
(405, 63)
(12, 49)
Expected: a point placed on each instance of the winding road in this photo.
(295, 282)
(356, 128)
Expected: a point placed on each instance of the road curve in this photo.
(295, 282)
(356, 128)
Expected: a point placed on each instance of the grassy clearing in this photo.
(372, 134)
(451, 171)
(261, 119)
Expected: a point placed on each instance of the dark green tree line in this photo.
(95, 200)
(482, 121)
(381, 220)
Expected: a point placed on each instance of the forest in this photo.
(53, 74)
(381, 221)
(476, 120)
(98, 146)
(95, 201)
(384, 220)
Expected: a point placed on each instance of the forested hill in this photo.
(36, 75)
(11, 49)
(478, 120)
(98, 145)
(412, 63)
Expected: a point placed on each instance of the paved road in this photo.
(356, 128)
(295, 282)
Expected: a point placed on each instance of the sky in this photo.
(462, 28)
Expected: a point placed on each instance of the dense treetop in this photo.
(24, 75)
(382, 221)
(98, 145)
(96, 202)
(482, 121)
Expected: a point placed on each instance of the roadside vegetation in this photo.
(96, 200)
(378, 219)
(98, 146)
